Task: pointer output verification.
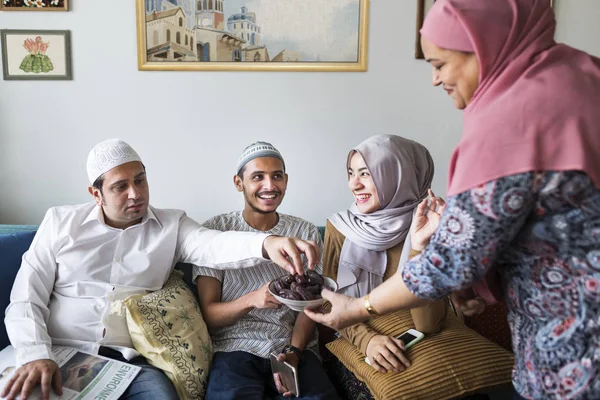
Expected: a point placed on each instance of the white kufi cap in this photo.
(108, 155)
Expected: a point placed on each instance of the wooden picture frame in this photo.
(423, 7)
(34, 5)
(225, 35)
(36, 54)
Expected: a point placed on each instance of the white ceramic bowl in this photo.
(299, 305)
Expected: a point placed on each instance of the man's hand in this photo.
(261, 298)
(385, 354)
(426, 221)
(290, 358)
(29, 376)
(285, 252)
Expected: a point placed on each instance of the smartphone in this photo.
(409, 338)
(288, 374)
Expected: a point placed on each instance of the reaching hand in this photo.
(467, 303)
(345, 311)
(426, 221)
(385, 354)
(30, 375)
(285, 252)
(292, 359)
(262, 298)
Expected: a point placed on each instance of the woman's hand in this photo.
(426, 221)
(467, 303)
(345, 311)
(386, 354)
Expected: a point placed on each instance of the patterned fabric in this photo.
(492, 324)
(167, 328)
(542, 233)
(261, 331)
(345, 382)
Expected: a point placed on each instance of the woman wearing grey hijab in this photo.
(364, 245)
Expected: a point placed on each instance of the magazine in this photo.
(84, 376)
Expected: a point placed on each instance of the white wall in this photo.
(189, 127)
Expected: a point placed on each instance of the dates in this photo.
(299, 287)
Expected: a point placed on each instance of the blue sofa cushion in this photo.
(12, 247)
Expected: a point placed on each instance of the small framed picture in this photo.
(34, 5)
(36, 55)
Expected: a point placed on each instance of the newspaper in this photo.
(84, 376)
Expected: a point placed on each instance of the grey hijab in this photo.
(402, 171)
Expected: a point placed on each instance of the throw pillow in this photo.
(167, 328)
(452, 363)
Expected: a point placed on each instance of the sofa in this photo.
(16, 239)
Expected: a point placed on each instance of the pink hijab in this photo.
(537, 104)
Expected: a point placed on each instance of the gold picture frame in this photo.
(32, 5)
(215, 39)
(423, 7)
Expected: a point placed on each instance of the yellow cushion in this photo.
(455, 362)
(167, 328)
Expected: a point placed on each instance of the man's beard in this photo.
(256, 209)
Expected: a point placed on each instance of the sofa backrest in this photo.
(12, 247)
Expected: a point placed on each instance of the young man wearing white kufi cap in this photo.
(87, 257)
(246, 322)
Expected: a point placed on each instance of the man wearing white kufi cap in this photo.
(246, 322)
(85, 259)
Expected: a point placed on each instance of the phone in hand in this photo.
(409, 338)
(288, 374)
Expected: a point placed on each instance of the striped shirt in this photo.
(261, 331)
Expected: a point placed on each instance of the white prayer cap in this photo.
(256, 150)
(108, 155)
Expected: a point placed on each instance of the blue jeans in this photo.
(241, 375)
(150, 382)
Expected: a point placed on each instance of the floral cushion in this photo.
(167, 328)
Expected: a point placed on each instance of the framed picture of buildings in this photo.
(36, 54)
(34, 5)
(247, 35)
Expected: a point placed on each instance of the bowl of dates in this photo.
(301, 291)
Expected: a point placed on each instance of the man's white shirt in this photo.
(77, 271)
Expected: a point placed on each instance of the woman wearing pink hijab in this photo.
(523, 194)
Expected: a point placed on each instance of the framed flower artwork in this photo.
(36, 54)
(34, 5)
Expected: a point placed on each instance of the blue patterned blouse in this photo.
(542, 232)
